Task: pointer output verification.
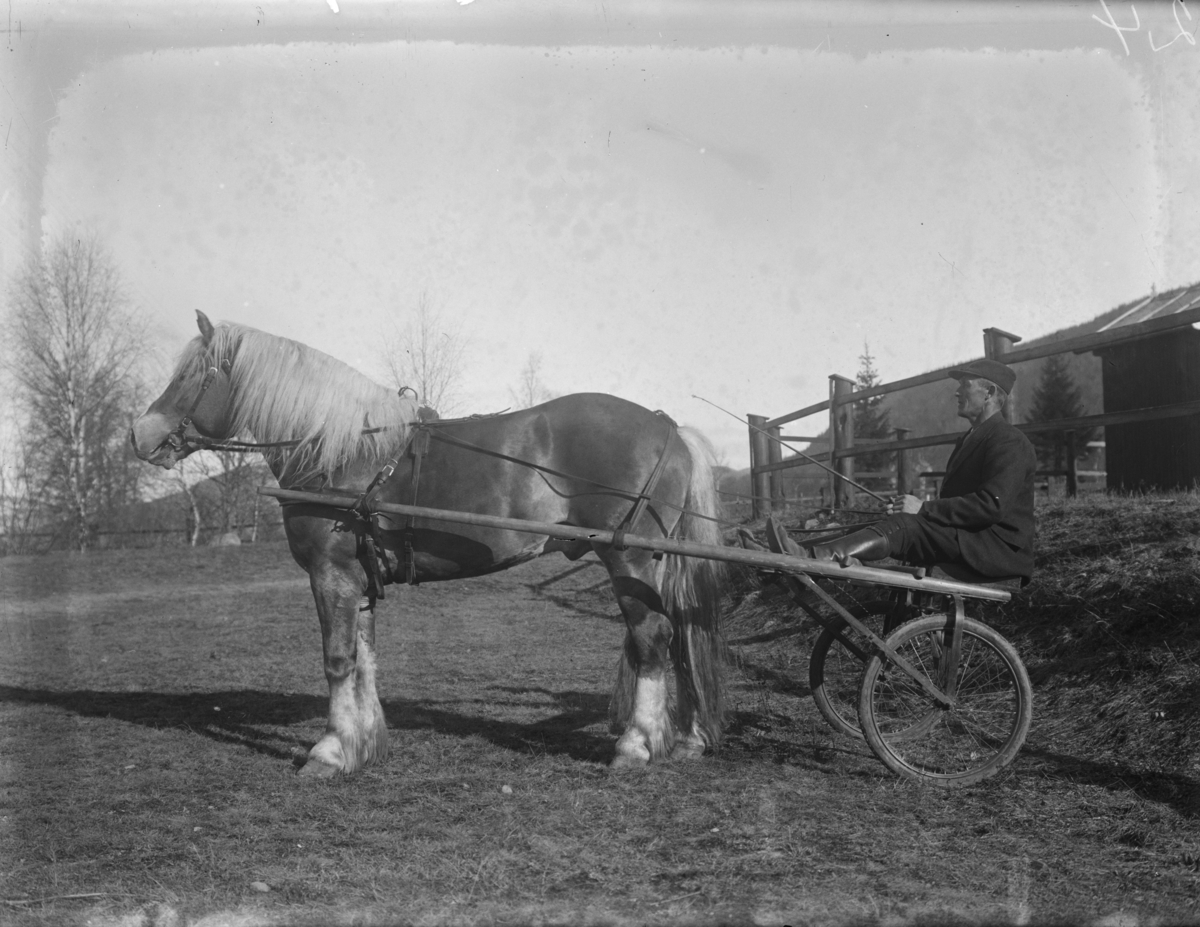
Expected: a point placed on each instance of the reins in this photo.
(416, 444)
(431, 428)
(244, 447)
(601, 488)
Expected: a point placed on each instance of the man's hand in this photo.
(908, 505)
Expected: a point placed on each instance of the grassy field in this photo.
(154, 705)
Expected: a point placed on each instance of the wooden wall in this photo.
(1163, 454)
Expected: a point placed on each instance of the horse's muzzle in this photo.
(151, 445)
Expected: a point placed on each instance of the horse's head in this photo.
(195, 404)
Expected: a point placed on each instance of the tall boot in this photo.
(867, 544)
(778, 540)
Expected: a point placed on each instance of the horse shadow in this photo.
(260, 721)
(569, 732)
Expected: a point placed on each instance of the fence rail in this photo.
(766, 453)
(45, 541)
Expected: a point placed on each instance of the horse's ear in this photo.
(206, 327)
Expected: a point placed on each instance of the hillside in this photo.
(931, 409)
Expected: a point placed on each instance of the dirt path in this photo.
(152, 706)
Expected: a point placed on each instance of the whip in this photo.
(783, 443)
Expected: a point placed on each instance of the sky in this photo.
(700, 198)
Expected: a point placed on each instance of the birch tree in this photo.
(73, 349)
(530, 390)
(427, 355)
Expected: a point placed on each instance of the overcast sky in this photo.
(727, 199)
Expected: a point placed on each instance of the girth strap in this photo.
(379, 568)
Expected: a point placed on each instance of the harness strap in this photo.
(175, 437)
(601, 488)
(618, 541)
(418, 447)
(373, 552)
(467, 445)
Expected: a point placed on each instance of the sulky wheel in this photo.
(835, 671)
(968, 742)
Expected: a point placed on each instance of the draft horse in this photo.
(588, 460)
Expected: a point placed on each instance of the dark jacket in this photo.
(988, 496)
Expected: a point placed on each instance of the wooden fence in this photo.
(766, 453)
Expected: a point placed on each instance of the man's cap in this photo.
(1000, 374)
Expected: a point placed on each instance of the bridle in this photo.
(176, 438)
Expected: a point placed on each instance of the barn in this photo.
(1160, 370)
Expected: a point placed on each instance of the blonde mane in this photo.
(286, 391)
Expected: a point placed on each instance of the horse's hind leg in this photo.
(640, 700)
(356, 732)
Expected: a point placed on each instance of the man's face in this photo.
(972, 396)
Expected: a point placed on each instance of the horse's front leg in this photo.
(356, 732)
(640, 700)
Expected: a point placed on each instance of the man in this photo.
(983, 518)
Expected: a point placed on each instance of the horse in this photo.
(589, 460)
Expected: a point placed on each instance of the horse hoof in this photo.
(686, 750)
(315, 769)
(622, 761)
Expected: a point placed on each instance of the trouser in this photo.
(918, 540)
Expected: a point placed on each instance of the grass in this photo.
(153, 706)
(1112, 627)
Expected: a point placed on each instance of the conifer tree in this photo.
(871, 420)
(1057, 397)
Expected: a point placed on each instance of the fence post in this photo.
(841, 438)
(760, 483)
(997, 343)
(1072, 479)
(775, 481)
(901, 464)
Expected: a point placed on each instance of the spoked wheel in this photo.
(835, 671)
(974, 739)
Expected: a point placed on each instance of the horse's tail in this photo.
(691, 589)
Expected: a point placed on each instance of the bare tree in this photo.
(426, 355)
(183, 477)
(74, 347)
(530, 390)
(217, 491)
(235, 479)
(22, 493)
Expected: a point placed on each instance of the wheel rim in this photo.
(969, 741)
(836, 674)
(836, 691)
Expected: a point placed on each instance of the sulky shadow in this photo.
(1180, 792)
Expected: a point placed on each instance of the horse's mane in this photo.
(283, 390)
